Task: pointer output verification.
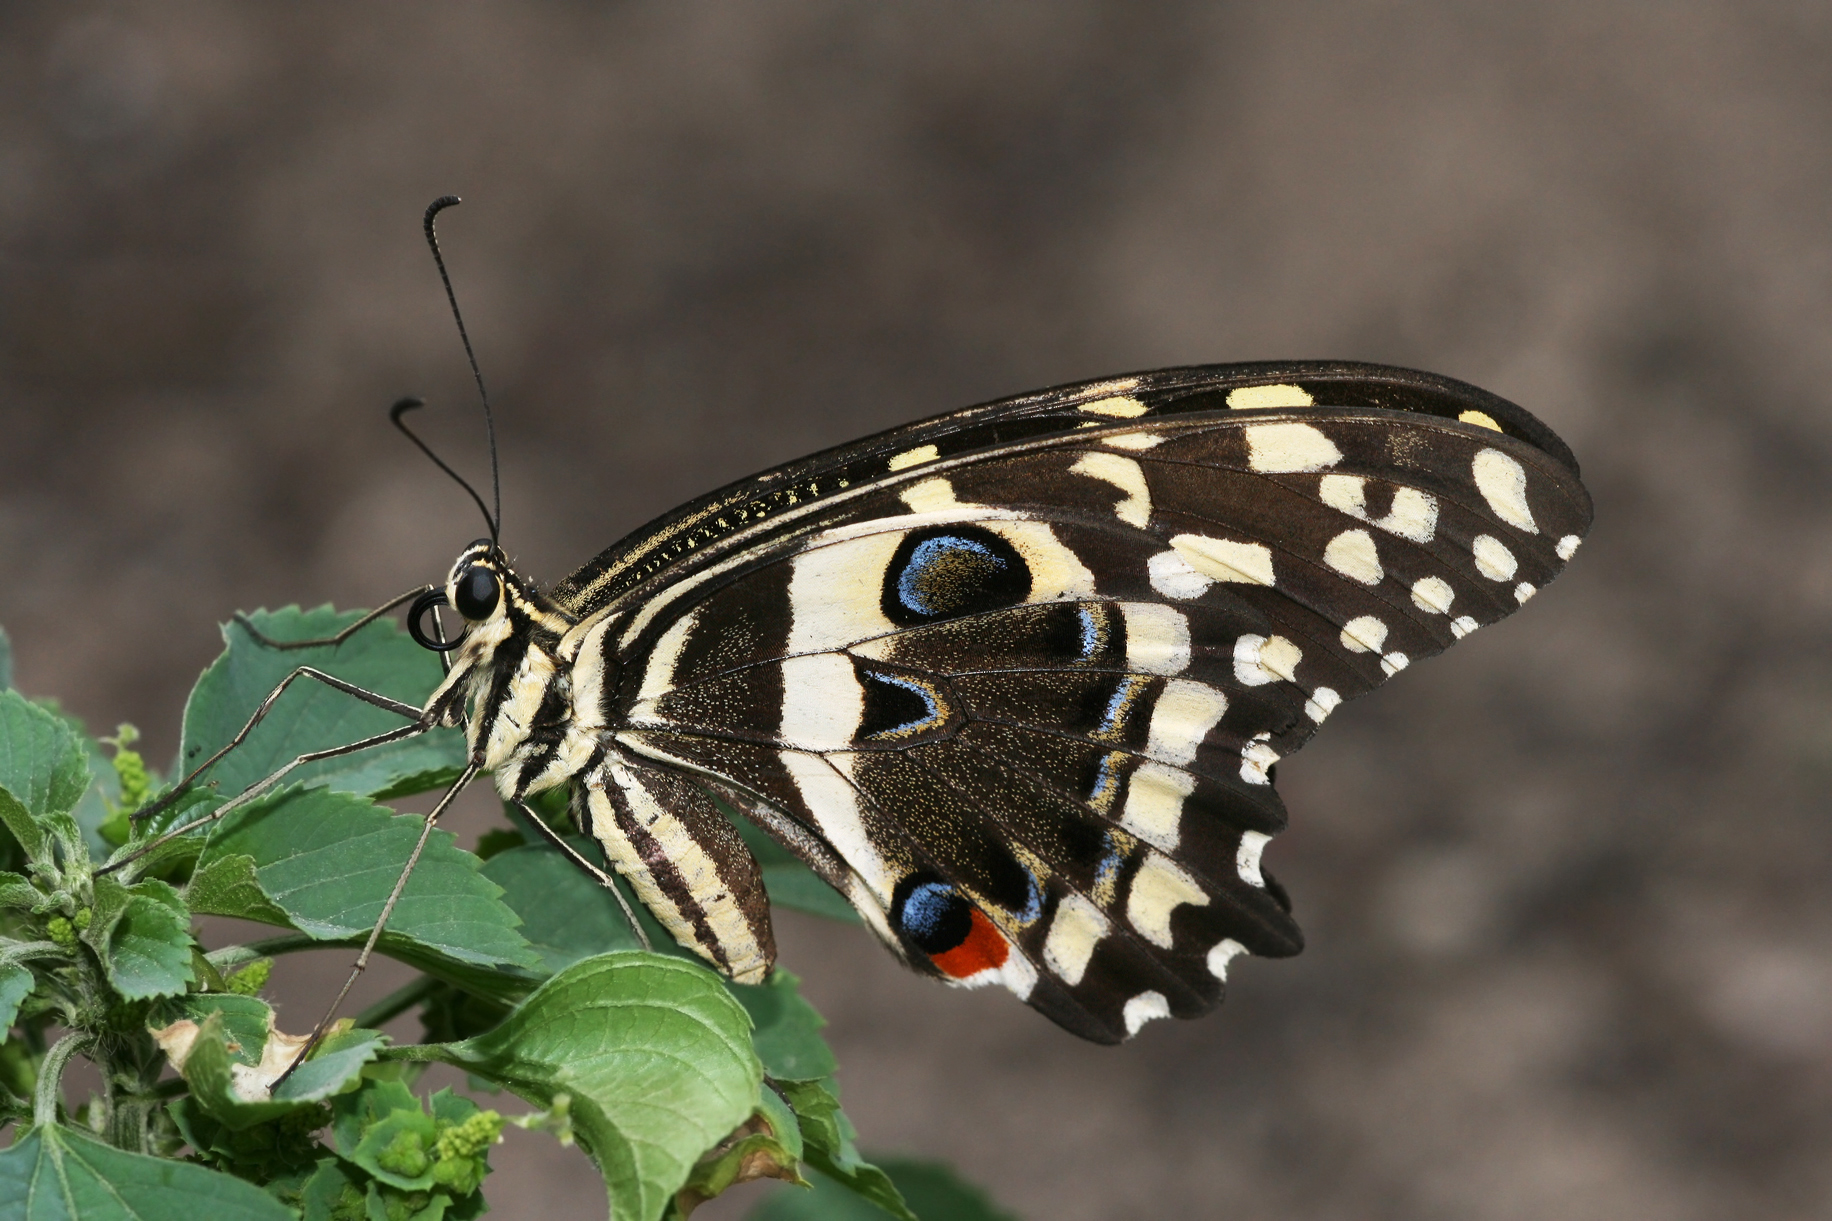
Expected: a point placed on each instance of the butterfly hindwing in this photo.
(1021, 703)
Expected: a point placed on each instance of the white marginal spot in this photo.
(1247, 857)
(1259, 660)
(1123, 406)
(1154, 804)
(930, 496)
(1157, 638)
(1364, 634)
(1159, 888)
(1075, 930)
(1221, 559)
(1463, 626)
(1493, 559)
(1250, 397)
(1225, 952)
(1353, 554)
(913, 457)
(1522, 592)
(822, 701)
(1480, 419)
(1172, 576)
(1255, 758)
(1433, 595)
(1393, 663)
(1143, 1008)
(1321, 703)
(1568, 546)
(1132, 440)
(1503, 483)
(1124, 474)
(658, 675)
(1181, 718)
(1276, 449)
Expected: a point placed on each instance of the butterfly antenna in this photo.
(489, 419)
(401, 408)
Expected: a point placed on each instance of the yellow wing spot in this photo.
(1119, 405)
(913, 457)
(1253, 397)
(1481, 419)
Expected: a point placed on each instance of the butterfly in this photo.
(1014, 680)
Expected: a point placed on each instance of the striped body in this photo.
(1014, 680)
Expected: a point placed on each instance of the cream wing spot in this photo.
(1462, 626)
(1075, 930)
(1154, 804)
(913, 457)
(1124, 474)
(1481, 419)
(1132, 440)
(1172, 576)
(1353, 554)
(1568, 546)
(1433, 595)
(1493, 559)
(1248, 398)
(1259, 660)
(1247, 857)
(1256, 760)
(931, 496)
(822, 701)
(1122, 406)
(1157, 638)
(1181, 718)
(1414, 515)
(1275, 449)
(1345, 494)
(1143, 1008)
(835, 593)
(1393, 663)
(1159, 888)
(1364, 634)
(1221, 559)
(1523, 591)
(1503, 483)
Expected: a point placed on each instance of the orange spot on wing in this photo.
(983, 949)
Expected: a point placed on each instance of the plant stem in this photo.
(51, 1075)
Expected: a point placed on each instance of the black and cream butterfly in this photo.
(1014, 680)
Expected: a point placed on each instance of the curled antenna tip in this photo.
(437, 206)
(404, 405)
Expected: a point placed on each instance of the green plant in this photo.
(677, 1084)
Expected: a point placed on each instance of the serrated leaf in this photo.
(831, 1146)
(15, 985)
(655, 1053)
(311, 716)
(786, 1029)
(18, 893)
(54, 1173)
(227, 886)
(566, 915)
(328, 861)
(43, 773)
(142, 934)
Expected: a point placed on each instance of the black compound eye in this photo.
(477, 593)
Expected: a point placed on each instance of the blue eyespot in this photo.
(947, 571)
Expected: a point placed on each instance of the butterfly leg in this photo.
(381, 921)
(576, 857)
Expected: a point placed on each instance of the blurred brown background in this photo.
(1566, 889)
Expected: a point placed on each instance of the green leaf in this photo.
(831, 1146)
(656, 1055)
(15, 985)
(933, 1192)
(767, 1147)
(245, 1020)
(55, 1173)
(18, 893)
(227, 886)
(790, 883)
(328, 861)
(233, 1091)
(312, 716)
(787, 1029)
(142, 934)
(43, 772)
(566, 915)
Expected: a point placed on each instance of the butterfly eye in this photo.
(477, 593)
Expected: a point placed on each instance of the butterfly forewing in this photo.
(1015, 680)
